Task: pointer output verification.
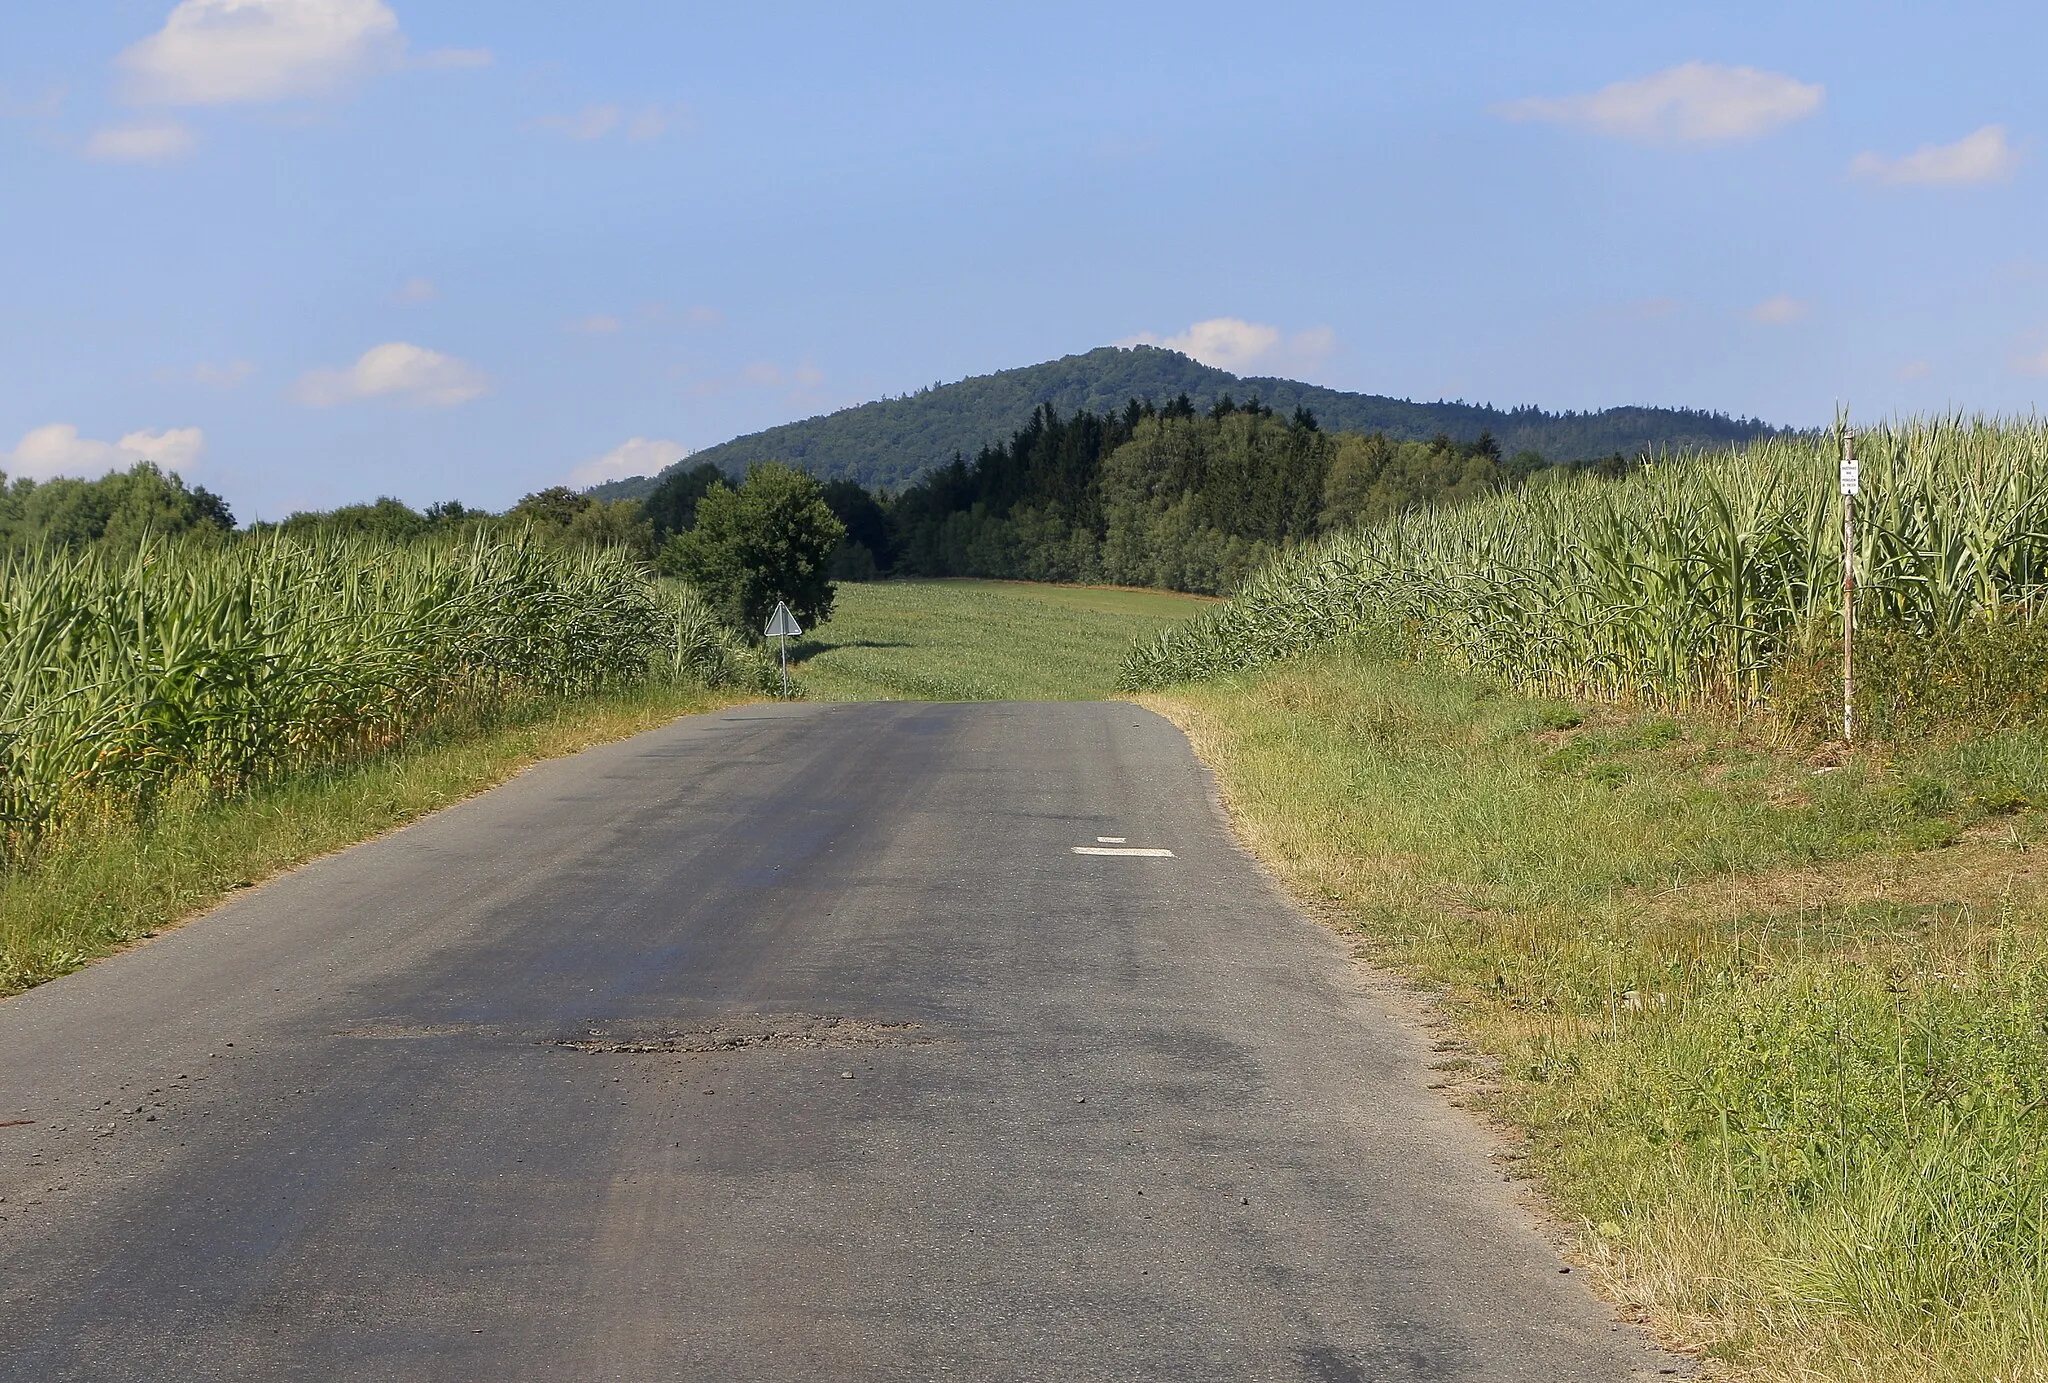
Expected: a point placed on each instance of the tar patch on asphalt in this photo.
(786, 1032)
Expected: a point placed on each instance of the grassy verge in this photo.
(101, 888)
(1774, 1028)
(980, 640)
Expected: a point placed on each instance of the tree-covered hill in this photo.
(893, 441)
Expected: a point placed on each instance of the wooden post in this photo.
(1851, 483)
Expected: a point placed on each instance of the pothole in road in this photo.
(801, 1031)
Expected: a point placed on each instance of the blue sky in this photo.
(313, 251)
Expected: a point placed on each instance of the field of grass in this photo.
(979, 640)
(1773, 1022)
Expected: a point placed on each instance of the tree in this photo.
(869, 547)
(672, 507)
(118, 510)
(614, 523)
(558, 505)
(387, 519)
(771, 539)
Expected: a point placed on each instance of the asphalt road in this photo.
(785, 1043)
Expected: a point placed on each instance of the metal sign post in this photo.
(782, 625)
(1852, 485)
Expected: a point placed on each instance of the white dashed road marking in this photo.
(1123, 850)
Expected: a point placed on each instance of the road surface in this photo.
(786, 1043)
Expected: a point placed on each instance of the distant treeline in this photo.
(1168, 496)
(1176, 498)
(121, 508)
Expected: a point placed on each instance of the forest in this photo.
(1177, 498)
(893, 442)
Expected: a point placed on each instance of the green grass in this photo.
(94, 890)
(979, 640)
(1775, 1026)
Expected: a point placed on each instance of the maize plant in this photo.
(121, 676)
(1689, 580)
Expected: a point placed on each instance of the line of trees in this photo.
(1144, 495)
(117, 509)
(744, 546)
(1171, 497)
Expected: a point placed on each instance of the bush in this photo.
(771, 539)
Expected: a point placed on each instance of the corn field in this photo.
(215, 667)
(1692, 579)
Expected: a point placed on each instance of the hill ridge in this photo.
(891, 441)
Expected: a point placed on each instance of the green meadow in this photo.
(962, 640)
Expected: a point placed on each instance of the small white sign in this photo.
(782, 624)
(1852, 476)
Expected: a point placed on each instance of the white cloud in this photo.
(634, 456)
(396, 370)
(418, 290)
(599, 325)
(1981, 157)
(57, 449)
(2035, 363)
(1701, 101)
(1231, 343)
(1783, 310)
(1915, 369)
(1225, 342)
(216, 52)
(595, 122)
(148, 142)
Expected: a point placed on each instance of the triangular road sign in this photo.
(782, 623)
